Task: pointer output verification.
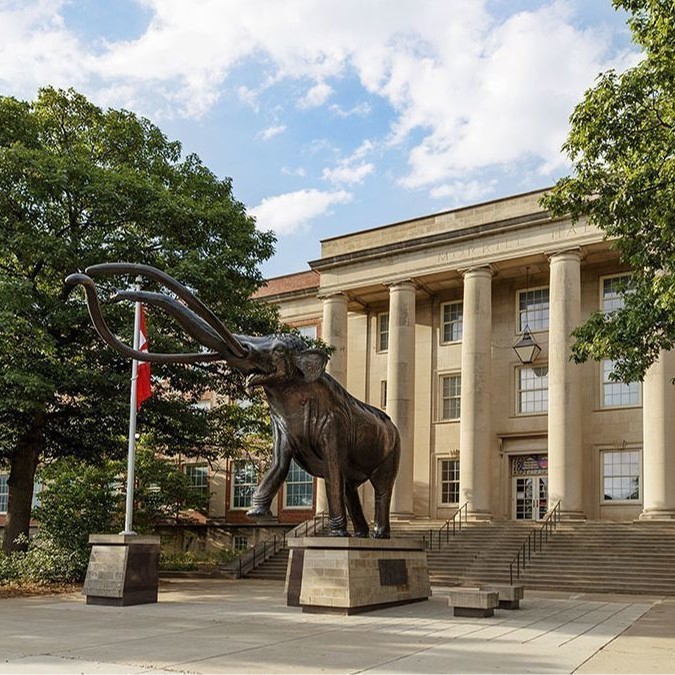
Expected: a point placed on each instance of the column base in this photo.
(479, 516)
(657, 514)
(573, 516)
(402, 516)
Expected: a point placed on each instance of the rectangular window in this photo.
(620, 475)
(449, 481)
(532, 390)
(198, 475)
(533, 309)
(451, 393)
(4, 493)
(617, 394)
(308, 331)
(452, 321)
(613, 290)
(240, 542)
(383, 394)
(383, 332)
(244, 482)
(299, 488)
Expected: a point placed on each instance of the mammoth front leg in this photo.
(335, 475)
(272, 480)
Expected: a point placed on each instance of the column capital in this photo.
(333, 295)
(481, 271)
(574, 254)
(400, 283)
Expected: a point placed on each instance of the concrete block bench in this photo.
(473, 602)
(510, 595)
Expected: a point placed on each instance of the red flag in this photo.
(143, 389)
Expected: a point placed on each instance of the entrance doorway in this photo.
(530, 486)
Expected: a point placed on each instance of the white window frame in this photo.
(4, 492)
(455, 324)
(288, 482)
(451, 480)
(454, 396)
(614, 298)
(383, 394)
(234, 485)
(305, 331)
(240, 543)
(194, 470)
(640, 474)
(534, 327)
(519, 391)
(620, 389)
(381, 333)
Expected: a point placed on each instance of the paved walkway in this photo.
(244, 627)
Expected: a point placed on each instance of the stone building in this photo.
(424, 315)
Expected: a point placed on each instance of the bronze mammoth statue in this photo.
(315, 420)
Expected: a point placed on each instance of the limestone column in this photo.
(333, 333)
(658, 452)
(565, 465)
(401, 388)
(475, 429)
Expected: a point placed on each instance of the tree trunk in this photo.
(23, 465)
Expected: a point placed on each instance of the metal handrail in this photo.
(456, 521)
(263, 550)
(529, 547)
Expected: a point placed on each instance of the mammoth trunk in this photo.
(23, 466)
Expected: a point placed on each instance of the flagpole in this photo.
(129, 512)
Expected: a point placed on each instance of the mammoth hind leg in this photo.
(382, 480)
(356, 510)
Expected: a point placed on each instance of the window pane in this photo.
(299, 487)
(452, 324)
(616, 394)
(451, 396)
(621, 474)
(383, 332)
(533, 309)
(199, 478)
(308, 332)
(612, 293)
(4, 493)
(533, 390)
(449, 475)
(244, 481)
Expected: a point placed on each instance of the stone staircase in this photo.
(591, 556)
(606, 557)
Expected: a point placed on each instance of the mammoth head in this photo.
(281, 358)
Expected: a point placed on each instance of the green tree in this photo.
(78, 186)
(622, 145)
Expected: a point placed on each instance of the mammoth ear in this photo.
(311, 363)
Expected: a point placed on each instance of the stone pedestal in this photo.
(123, 570)
(351, 575)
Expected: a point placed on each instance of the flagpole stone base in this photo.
(341, 575)
(123, 570)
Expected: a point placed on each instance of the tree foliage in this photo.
(78, 186)
(622, 145)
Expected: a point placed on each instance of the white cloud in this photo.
(316, 96)
(294, 211)
(465, 91)
(271, 132)
(353, 169)
(299, 171)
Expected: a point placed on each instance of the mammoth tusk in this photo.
(106, 334)
(195, 304)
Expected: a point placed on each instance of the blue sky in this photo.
(332, 117)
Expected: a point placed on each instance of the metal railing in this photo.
(454, 524)
(529, 547)
(263, 550)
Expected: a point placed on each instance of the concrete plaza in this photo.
(222, 626)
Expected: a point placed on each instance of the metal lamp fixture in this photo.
(526, 347)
